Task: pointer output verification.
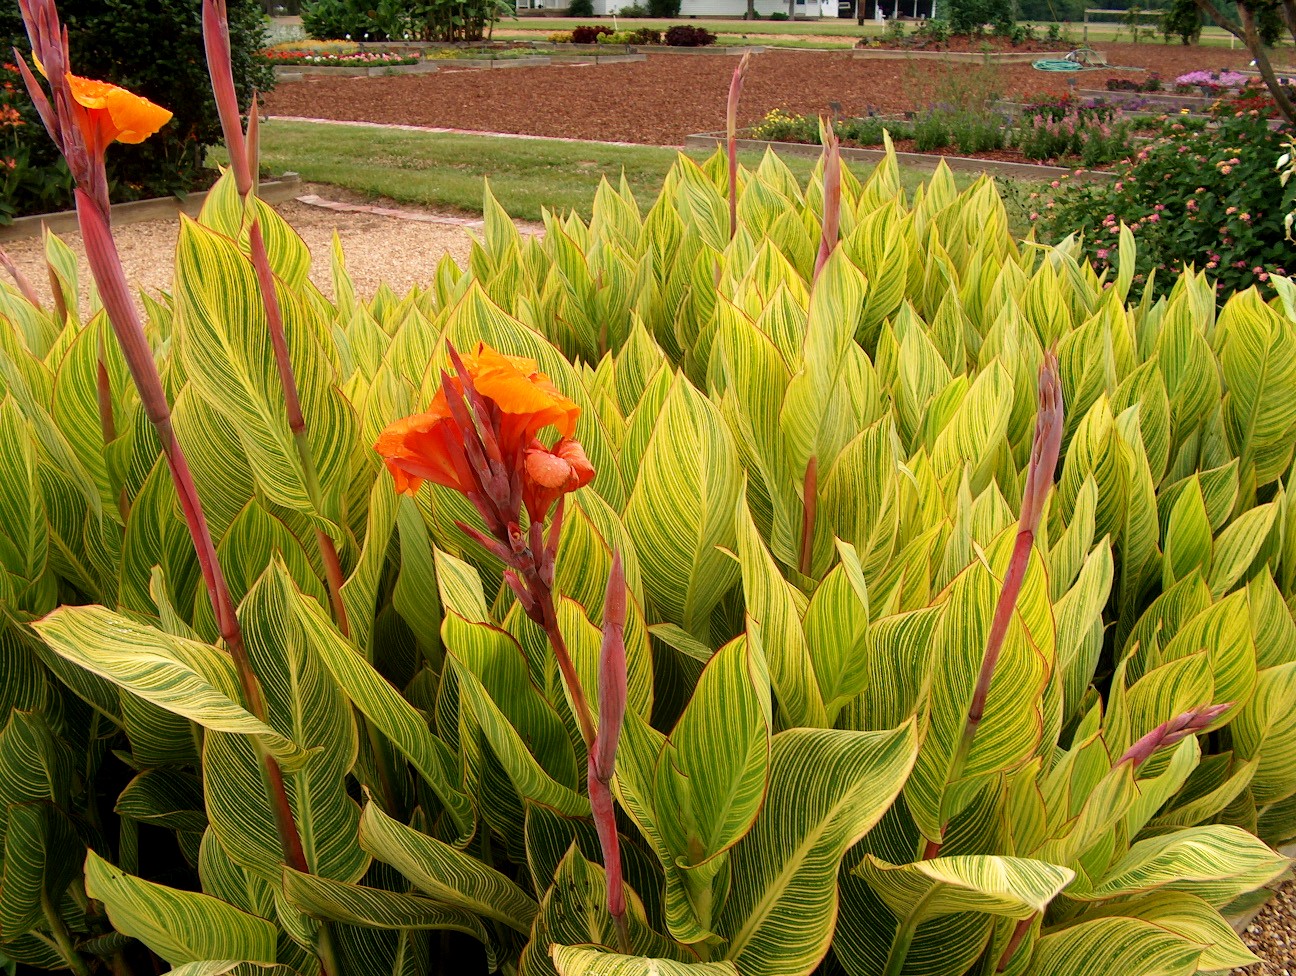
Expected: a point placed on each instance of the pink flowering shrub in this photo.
(1095, 134)
(1206, 197)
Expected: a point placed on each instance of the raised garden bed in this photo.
(271, 191)
(996, 163)
(298, 71)
(1165, 100)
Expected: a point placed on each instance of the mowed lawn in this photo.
(447, 171)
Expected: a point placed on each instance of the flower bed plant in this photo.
(1211, 82)
(1148, 83)
(767, 515)
(355, 59)
(1207, 197)
(1054, 129)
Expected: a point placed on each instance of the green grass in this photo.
(526, 175)
(785, 33)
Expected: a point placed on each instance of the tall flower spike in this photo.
(832, 196)
(82, 116)
(220, 67)
(70, 123)
(602, 757)
(1171, 732)
(731, 119)
(1045, 446)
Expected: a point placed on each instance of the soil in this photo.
(662, 100)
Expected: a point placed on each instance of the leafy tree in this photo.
(1258, 24)
(1182, 20)
(155, 49)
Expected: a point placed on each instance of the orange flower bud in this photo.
(552, 473)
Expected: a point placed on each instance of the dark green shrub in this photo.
(686, 35)
(154, 49)
(1182, 20)
(931, 131)
(778, 15)
(580, 8)
(645, 35)
(634, 11)
(970, 17)
(328, 20)
(936, 31)
(664, 8)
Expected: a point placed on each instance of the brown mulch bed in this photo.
(663, 99)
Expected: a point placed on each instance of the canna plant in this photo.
(836, 585)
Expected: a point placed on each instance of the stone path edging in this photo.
(400, 127)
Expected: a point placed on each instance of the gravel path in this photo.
(378, 247)
(1272, 936)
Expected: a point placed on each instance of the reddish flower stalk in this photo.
(479, 438)
(602, 758)
(1168, 733)
(1039, 480)
(68, 121)
(217, 45)
(24, 284)
(810, 505)
(735, 93)
(1018, 933)
(244, 163)
(831, 195)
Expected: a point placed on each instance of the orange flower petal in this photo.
(115, 113)
(419, 448)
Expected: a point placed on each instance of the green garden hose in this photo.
(1057, 64)
(1081, 59)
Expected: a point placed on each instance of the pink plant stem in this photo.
(21, 280)
(1045, 447)
(602, 757)
(217, 46)
(731, 119)
(105, 265)
(296, 421)
(543, 596)
(810, 505)
(832, 197)
(605, 824)
(1015, 940)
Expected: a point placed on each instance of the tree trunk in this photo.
(751, 10)
(1249, 36)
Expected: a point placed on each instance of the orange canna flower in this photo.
(112, 114)
(522, 401)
